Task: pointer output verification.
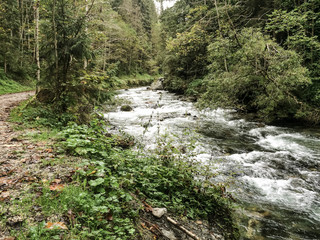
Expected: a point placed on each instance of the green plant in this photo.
(163, 179)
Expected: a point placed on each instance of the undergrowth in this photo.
(9, 86)
(106, 194)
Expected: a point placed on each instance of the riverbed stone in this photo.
(126, 108)
(157, 85)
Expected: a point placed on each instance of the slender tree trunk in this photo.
(5, 64)
(37, 44)
(161, 6)
(105, 56)
(312, 33)
(85, 65)
(220, 31)
(55, 38)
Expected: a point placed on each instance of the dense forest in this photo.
(254, 56)
(73, 49)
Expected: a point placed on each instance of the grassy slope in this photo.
(10, 86)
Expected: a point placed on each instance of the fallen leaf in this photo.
(4, 196)
(56, 225)
(147, 207)
(23, 160)
(30, 179)
(57, 187)
(49, 150)
(57, 181)
(5, 181)
(93, 172)
(44, 180)
(8, 238)
(144, 226)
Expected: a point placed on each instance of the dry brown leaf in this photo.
(23, 160)
(49, 150)
(56, 225)
(57, 181)
(93, 172)
(44, 180)
(30, 179)
(8, 238)
(57, 187)
(5, 181)
(4, 196)
(147, 207)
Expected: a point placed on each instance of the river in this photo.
(273, 172)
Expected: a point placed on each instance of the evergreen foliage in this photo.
(77, 39)
(255, 56)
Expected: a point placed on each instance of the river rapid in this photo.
(274, 172)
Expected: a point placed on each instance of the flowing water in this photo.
(274, 171)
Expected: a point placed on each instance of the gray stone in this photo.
(159, 212)
(157, 85)
(169, 234)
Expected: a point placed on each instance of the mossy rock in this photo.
(126, 108)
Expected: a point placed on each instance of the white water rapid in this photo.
(275, 171)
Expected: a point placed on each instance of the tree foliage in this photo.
(256, 56)
(77, 39)
(261, 77)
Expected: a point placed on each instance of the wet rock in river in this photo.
(126, 108)
(157, 85)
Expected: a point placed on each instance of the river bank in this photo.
(83, 183)
(273, 171)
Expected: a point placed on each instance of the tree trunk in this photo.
(37, 45)
(55, 38)
(5, 64)
(220, 31)
(85, 65)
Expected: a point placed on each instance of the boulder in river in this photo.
(126, 108)
(157, 85)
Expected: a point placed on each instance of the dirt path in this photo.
(23, 162)
(7, 102)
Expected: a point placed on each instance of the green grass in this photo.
(9, 86)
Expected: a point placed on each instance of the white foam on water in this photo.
(267, 166)
(284, 142)
(282, 192)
